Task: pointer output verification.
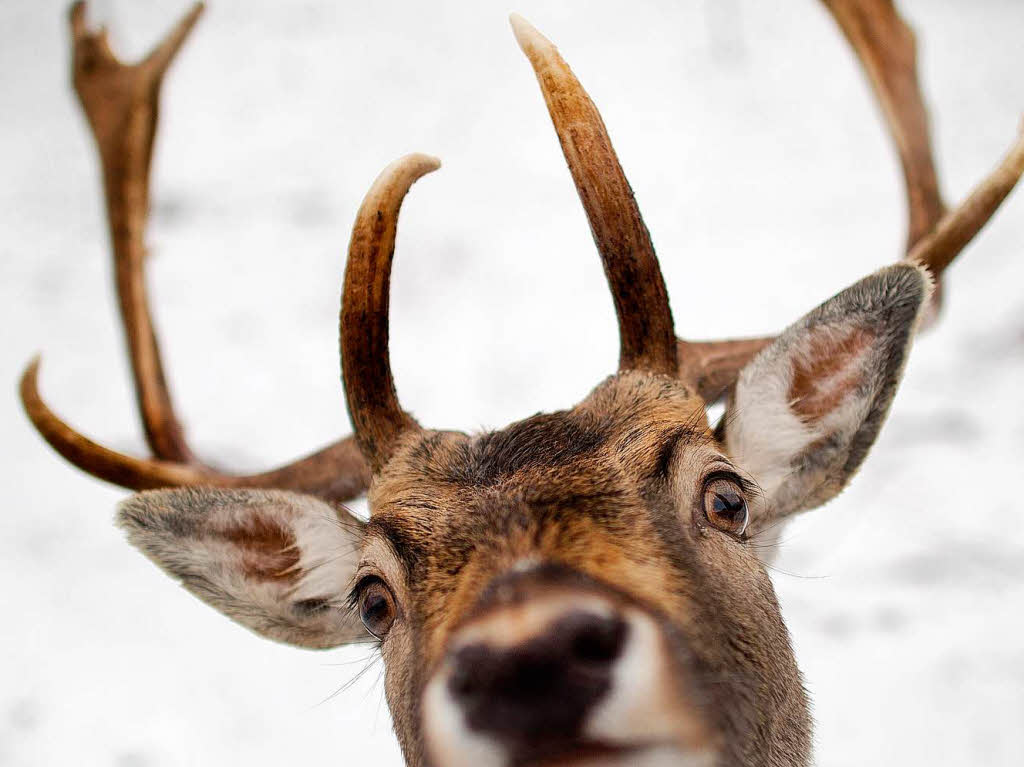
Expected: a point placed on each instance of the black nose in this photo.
(543, 688)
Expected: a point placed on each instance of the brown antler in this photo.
(646, 336)
(941, 245)
(121, 103)
(337, 473)
(885, 46)
(377, 417)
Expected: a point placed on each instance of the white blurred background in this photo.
(764, 174)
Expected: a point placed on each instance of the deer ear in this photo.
(806, 410)
(276, 562)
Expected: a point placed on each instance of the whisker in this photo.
(370, 662)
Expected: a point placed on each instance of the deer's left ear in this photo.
(807, 409)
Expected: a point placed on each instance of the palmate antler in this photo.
(121, 103)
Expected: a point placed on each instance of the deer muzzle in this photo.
(552, 668)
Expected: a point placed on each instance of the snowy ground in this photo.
(768, 184)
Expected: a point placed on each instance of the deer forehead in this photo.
(620, 424)
(455, 511)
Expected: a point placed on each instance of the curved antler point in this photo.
(428, 162)
(527, 35)
(76, 14)
(28, 388)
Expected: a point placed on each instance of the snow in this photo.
(768, 184)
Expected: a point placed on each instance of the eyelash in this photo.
(751, 490)
(352, 600)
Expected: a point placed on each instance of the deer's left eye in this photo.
(724, 505)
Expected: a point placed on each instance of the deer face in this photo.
(559, 590)
(582, 587)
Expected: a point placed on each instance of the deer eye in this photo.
(724, 505)
(376, 606)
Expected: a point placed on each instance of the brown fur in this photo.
(268, 550)
(591, 489)
(825, 377)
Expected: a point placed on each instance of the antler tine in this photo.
(336, 473)
(377, 416)
(938, 248)
(646, 335)
(885, 46)
(93, 458)
(164, 52)
(121, 102)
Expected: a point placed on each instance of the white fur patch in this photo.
(765, 432)
(328, 548)
(642, 705)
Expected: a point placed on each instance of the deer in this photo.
(580, 587)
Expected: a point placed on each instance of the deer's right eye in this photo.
(377, 608)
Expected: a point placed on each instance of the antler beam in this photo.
(336, 473)
(887, 51)
(121, 103)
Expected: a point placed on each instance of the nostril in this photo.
(595, 639)
(472, 671)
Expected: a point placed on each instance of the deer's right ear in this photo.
(279, 563)
(808, 407)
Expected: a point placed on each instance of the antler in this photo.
(377, 417)
(646, 334)
(885, 46)
(121, 103)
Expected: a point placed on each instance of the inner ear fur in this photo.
(808, 407)
(279, 563)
